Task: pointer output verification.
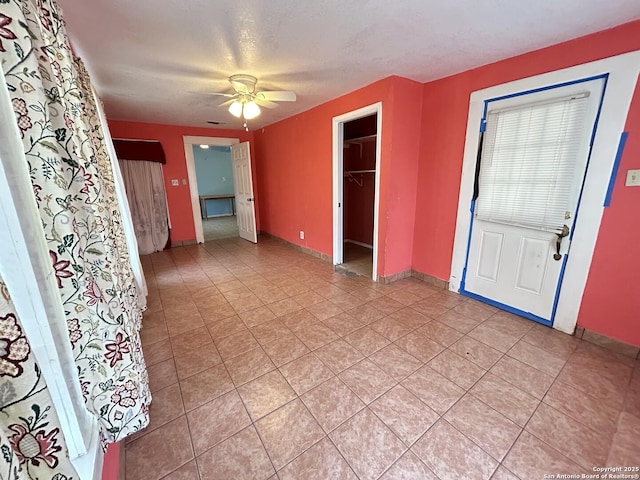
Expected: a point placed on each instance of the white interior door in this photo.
(534, 155)
(243, 180)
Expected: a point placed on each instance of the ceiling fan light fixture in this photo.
(245, 101)
(235, 109)
(251, 110)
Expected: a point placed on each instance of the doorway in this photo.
(356, 173)
(209, 209)
(532, 160)
(214, 179)
(621, 74)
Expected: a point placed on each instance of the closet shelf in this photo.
(347, 172)
(349, 175)
(365, 139)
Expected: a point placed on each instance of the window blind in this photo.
(528, 163)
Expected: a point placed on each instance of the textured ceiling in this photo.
(146, 57)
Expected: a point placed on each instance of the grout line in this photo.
(255, 427)
(340, 453)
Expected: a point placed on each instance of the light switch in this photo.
(224, 179)
(174, 182)
(633, 178)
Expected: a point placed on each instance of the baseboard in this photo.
(220, 215)
(308, 251)
(362, 244)
(430, 280)
(611, 344)
(183, 243)
(395, 277)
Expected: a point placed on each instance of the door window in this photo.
(529, 163)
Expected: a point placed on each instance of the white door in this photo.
(534, 154)
(243, 181)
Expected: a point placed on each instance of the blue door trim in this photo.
(507, 308)
(614, 170)
(604, 76)
(531, 316)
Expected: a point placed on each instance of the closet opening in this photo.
(359, 173)
(356, 186)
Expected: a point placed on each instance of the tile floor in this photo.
(357, 259)
(265, 364)
(219, 228)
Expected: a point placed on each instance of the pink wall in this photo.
(611, 304)
(111, 463)
(444, 119)
(294, 160)
(295, 168)
(400, 174)
(178, 198)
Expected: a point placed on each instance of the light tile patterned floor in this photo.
(218, 228)
(357, 259)
(265, 364)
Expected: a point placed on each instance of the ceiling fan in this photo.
(245, 101)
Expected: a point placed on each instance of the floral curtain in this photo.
(31, 442)
(73, 185)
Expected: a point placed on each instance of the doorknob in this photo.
(561, 235)
(250, 199)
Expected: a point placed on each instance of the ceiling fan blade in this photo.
(265, 103)
(227, 102)
(277, 96)
(214, 93)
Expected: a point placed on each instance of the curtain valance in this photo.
(149, 151)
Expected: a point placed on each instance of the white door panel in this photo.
(532, 264)
(489, 255)
(513, 266)
(510, 258)
(243, 181)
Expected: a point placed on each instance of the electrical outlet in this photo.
(301, 234)
(224, 179)
(184, 181)
(174, 182)
(633, 178)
